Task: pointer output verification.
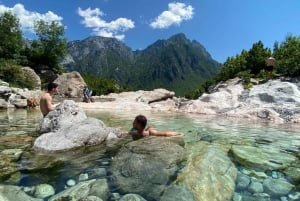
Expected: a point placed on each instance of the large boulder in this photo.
(156, 95)
(46, 75)
(31, 75)
(147, 165)
(71, 84)
(2, 83)
(3, 103)
(157, 99)
(65, 114)
(224, 99)
(17, 101)
(275, 92)
(67, 127)
(11, 97)
(21, 98)
(28, 94)
(274, 100)
(4, 89)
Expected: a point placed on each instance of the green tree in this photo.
(246, 65)
(50, 47)
(232, 66)
(257, 57)
(102, 86)
(287, 55)
(11, 41)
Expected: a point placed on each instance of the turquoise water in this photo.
(17, 130)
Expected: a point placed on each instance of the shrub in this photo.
(11, 73)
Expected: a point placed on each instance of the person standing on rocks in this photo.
(138, 129)
(87, 95)
(270, 62)
(46, 99)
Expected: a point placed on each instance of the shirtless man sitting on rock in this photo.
(46, 99)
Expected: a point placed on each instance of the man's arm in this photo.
(162, 133)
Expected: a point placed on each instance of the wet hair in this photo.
(52, 85)
(142, 120)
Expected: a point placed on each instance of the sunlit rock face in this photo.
(67, 127)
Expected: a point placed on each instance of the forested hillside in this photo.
(176, 64)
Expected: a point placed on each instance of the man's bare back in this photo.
(46, 103)
(46, 99)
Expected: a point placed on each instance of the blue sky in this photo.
(223, 27)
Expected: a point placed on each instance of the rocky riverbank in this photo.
(276, 100)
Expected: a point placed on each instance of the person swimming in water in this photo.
(138, 129)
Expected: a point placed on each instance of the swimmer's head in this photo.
(140, 122)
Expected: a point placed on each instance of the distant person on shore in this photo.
(46, 99)
(87, 95)
(270, 62)
(138, 129)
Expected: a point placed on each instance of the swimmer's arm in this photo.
(162, 133)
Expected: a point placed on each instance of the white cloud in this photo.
(27, 18)
(177, 13)
(92, 19)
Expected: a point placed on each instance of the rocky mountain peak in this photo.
(176, 64)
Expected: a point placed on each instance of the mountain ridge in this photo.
(176, 64)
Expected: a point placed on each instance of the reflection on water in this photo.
(17, 130)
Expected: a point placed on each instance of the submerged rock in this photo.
(264, 159)
(132, 197)
(43, 191)
(147, 165)
(83, 190)
(209, 173)
(243, 181)
(293, 173)
(177, 192)
(7, 166)
(277, 187)
(14, 193)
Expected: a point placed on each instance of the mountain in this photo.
(176, 64)
(98, 56)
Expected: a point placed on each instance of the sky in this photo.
(223, 27)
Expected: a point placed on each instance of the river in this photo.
(18, 132)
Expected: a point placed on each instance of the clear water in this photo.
(17, 130)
